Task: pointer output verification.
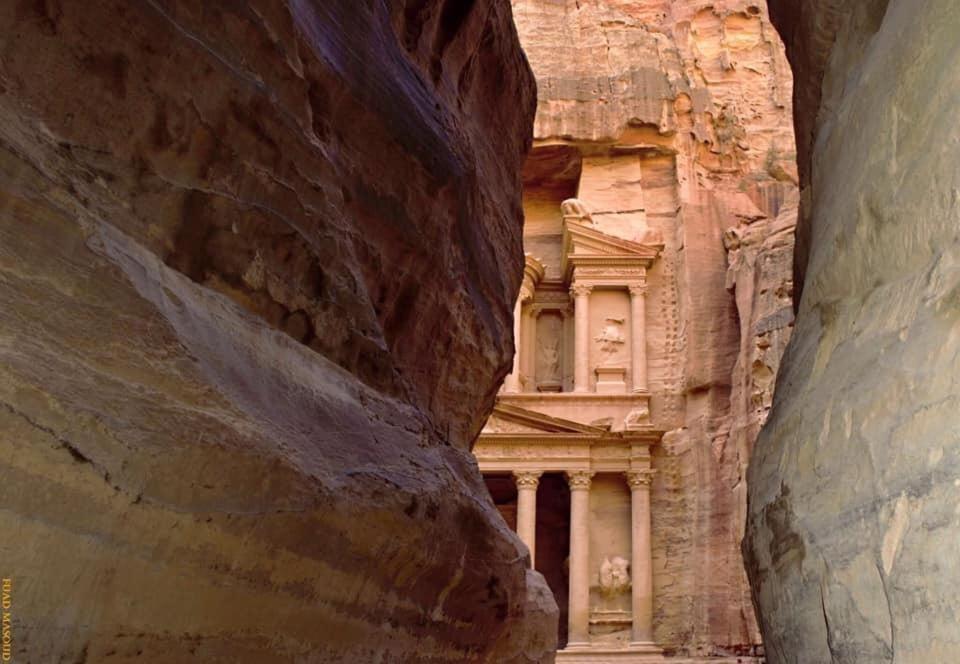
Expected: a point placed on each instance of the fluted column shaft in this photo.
(527, 483)
(581, 334)
(579, 609)
(642, 556)
(638, 336)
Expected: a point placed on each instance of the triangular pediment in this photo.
(583, 241)
(517, 420)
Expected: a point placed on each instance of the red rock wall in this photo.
(257, 264)
(700, 94)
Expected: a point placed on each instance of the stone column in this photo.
(581, 337)
(579, 609)
(527, 482)
(529, 365)
(641, 565)
(638, 336)
(511, 384)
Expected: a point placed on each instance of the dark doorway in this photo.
(553, 530)
(553, 540)
(503, 490)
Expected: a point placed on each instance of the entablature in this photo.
(564, 452)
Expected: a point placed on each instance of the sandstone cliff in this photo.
(675, 116)
(853, 521)
(257, 262)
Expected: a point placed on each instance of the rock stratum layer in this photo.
(257, 262)
(853, 520)
(675, 116)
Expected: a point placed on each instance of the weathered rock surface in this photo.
(257, 262)
(675, 117)
(853, 519)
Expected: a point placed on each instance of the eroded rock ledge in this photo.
(256, 267)
(853, 528)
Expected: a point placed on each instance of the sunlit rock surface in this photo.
(257, 263)
(675, 117)
(854, 524)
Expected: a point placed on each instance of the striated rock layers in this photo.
(674, 118)
(853, 523)
(257, 261)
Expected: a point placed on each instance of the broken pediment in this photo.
(513, 419)
(584, 244)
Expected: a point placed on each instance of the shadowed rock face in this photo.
(257, 262)
(853, 522)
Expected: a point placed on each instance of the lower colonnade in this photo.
(639, 481)
(526, 446)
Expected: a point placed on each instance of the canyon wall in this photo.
(257, 266)
(675, 117)
(853, 519)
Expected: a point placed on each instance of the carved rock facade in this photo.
(660, 200)
(854, 524)
(257, 263)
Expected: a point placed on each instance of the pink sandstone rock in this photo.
(673, 119)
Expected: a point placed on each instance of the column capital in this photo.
(640, 479)
(577, 290)
(579, 479)
(527, 478)
(637, 289)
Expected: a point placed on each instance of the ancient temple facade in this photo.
(576, 409)
(660, 202)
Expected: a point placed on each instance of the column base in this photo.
(643, 653)
(645, 647)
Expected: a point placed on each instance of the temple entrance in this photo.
(553, 537)
(503, 490)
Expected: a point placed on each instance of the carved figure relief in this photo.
(549, 352)
(639, 416)
(614, 576)
(611, 340)
(550, 359)
(574, 208)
